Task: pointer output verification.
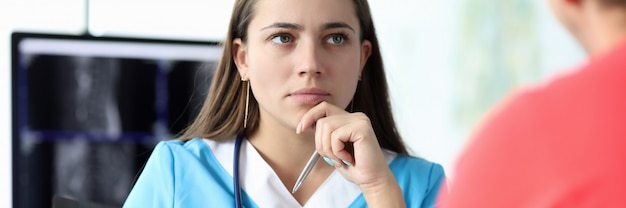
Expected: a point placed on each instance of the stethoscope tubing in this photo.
(237, 187)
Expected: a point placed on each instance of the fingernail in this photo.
(346, 162)
(337, 164)
(298, 128)
(329, 161)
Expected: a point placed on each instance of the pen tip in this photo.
(295, 188)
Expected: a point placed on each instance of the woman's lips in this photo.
(309, 96)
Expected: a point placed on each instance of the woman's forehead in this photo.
(305, 13)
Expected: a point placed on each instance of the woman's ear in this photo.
(240, 56)
(366, 52)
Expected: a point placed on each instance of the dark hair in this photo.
(222, 114)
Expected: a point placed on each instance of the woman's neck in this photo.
(280, 146)
(287, 153)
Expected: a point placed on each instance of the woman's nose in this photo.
(308, 61)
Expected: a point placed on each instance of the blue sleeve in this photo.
(436, 184)
(421, 180)
(155, 186)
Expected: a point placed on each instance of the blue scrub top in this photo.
(187, 174)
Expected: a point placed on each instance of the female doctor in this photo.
(296, 76)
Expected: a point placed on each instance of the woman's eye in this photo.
(281, 39)
(336, 39)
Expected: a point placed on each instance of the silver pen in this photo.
(307, 169)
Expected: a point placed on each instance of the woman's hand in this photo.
(348, 139)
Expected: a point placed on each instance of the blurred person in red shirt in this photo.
(561, 143)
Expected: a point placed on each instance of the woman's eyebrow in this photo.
(333, 25)
(326, 26)
(285, 25)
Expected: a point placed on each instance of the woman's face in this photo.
(299, 53)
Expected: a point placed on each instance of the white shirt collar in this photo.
(265, 188)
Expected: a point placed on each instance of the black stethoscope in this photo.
(237, 187)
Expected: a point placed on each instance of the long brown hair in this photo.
(222, 114)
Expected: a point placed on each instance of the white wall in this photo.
(419, 41)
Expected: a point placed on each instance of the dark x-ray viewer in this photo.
(86, 124)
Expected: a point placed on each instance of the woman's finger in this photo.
(353, 131)
(309, 119)
(324, 128)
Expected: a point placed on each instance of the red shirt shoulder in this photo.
(558, 143)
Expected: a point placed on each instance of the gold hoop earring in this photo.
(245, 115)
